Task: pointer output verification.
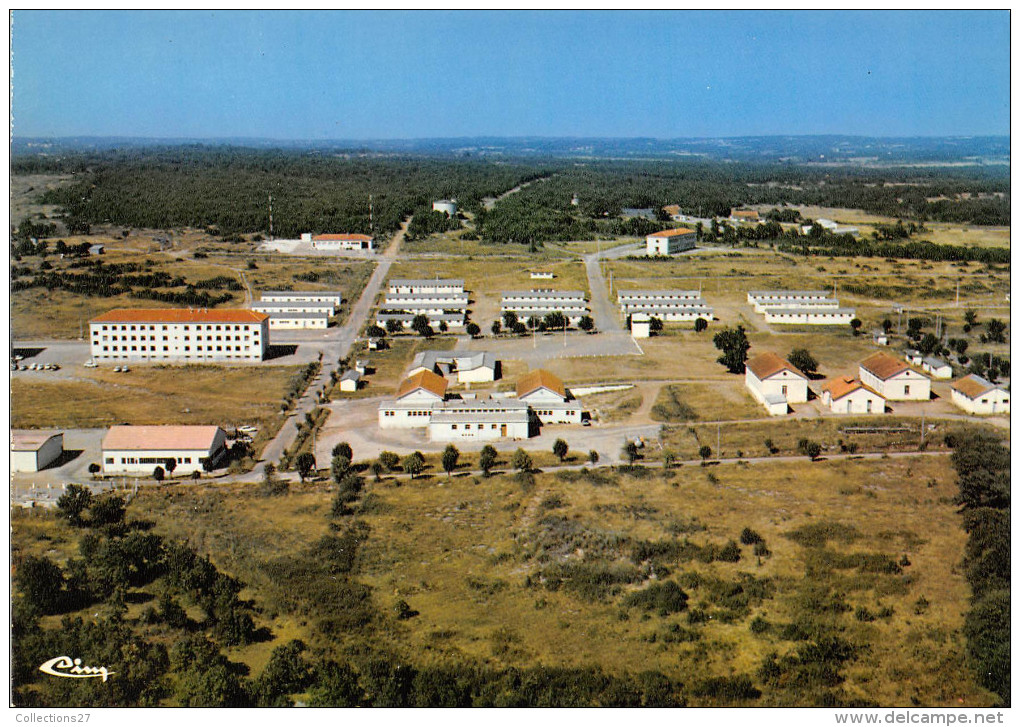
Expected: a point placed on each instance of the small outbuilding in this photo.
(32, 450)
(350, 380)
(640, 325)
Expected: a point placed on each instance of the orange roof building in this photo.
(894, 379)
(139, 450)
(339, 241)
(977, 395)
(161, 335)
(423, 385)
(775, 383)
(847, 395)
(769, 364)
(669, 242)
(538, 381)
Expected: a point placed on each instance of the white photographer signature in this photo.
(74, 669)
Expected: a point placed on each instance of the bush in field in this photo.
(666, 597)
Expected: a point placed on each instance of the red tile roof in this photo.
(424, 379)
(357, 237)
(883, 365)
(538, 379)
(973, 386)
(176, 437)
(179, 315)
(673, 233)
(767, 364)
(840, 387)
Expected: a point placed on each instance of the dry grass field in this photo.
(192, 394)
(500, 572)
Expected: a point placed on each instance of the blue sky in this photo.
(395, 74)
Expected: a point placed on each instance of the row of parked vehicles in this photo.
(15, 366)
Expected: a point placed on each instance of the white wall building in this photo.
(775, 383)
(350, 380)
(676, 297)
(298, 321)
(449, 206)
(810, 316)
(333, 243)
(443, 300)
(179, 334)
(405, 285)
(538, 303)
(468, 366)
(548, 397)
(670, 242)
(762, 306)
(139, 450)
(847, 395)
(33, 450)
(776, 295)
(894, 379)
(641, 325)
(406, 319)
(484, 419)
(303, 296)
(938, 368)
(412, 406)
(977, 395)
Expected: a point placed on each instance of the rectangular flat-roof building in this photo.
(444, 300)
(294, 306)
(539, 303)
(179, 334)
(670, 242)
(775, 295)
(763, 305)
(467, 366)
(810, 316)
(139, 450)
(334, 242)
(33, 450)
(303, 296)
(485, 419)
(298, 321)
(438, 285)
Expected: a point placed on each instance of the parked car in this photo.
(90, 364)
(116, 369)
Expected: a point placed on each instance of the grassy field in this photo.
(450, 243)
(193, 394)
(500, 572)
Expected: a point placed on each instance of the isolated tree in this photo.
(487, 459)
(378, 470)
(655, 324)
(94, 469)
(886, 326)
(344, 449)
(520, 329)
(443, 327)
(450, 457)
(305, 463)
(734, 345)
(700, 324)
(996, 331)
(668, 458)
(420, 325)
(413, 464)
(472, 329)
(521, 461)
(74, 502)
(339, 466)
(107, 510)
(586, 324)
(929, 344)
(803, 360)
(855, 326)
(630, 451)
(374, 331)
(560, 449)
(593, 456)
(170, 465)
(389, 460)
(496, 328)
(158, 474)
(510, 319)
(704, 452)
(971, 318)
(394, 326)
(813, 450)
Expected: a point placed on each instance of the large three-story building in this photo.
(179, 334)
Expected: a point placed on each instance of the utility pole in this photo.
(270, 217)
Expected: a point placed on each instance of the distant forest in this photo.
(228, 188)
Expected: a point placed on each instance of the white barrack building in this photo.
(332, 243)
(405, 285)
(179, 334)
(538, 303)
(139, 450)
(670, 242)
(811, 316)
(303, 296)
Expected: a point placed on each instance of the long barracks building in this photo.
(179, 334)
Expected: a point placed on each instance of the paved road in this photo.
(337, 346)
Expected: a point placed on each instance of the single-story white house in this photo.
(894, 379)
(977, 395)
(350, 380)
(33, 450)
(298, 321)
(938, 368)
(412, 406)
(139, 450)
(810, 316)
(669, 242)
(775, 383)
(468, 366)
(448, 206)
(545, 393)
(777, 295)
(640, 325)
(846, 395)
(331, 242)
